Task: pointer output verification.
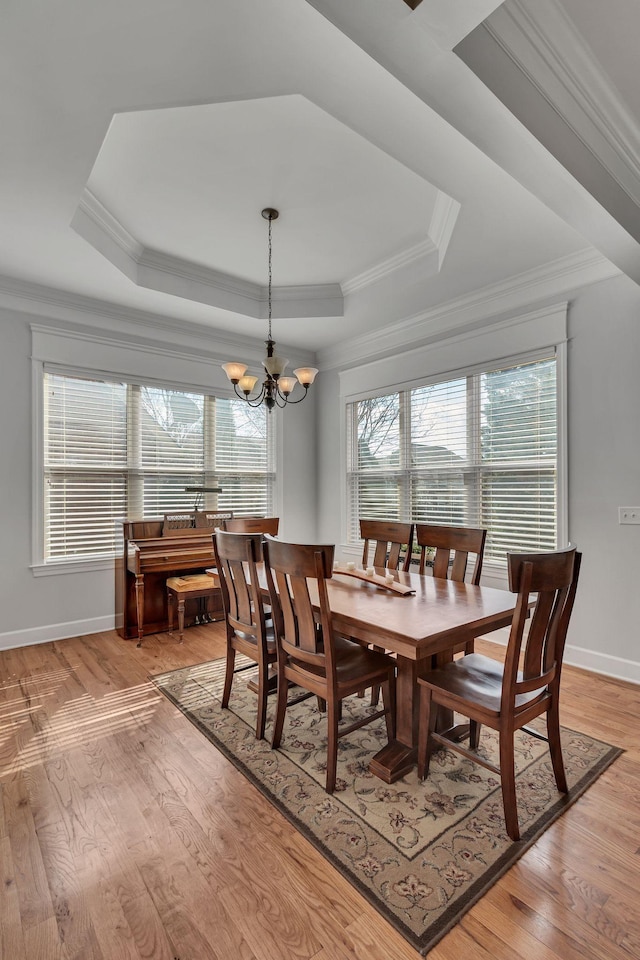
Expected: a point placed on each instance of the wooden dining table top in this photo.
(437, 616)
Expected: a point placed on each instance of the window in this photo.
(478, 450)
(115, 450)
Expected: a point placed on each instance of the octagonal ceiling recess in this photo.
(175, 195)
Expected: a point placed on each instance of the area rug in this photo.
(421, 853)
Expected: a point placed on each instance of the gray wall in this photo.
(40, 608)
(603, 467)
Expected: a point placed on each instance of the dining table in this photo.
(422, 628)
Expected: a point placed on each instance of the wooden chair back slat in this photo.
(392, 543)
(445, 540)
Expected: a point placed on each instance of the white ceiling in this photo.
(141, 141)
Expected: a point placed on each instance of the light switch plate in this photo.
(628, 514)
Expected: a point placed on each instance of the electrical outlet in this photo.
(628, 514)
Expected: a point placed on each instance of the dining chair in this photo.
(391, 541)
(247, 630)
(311, 655)
(449, 548)
(392, 545)
(253, 525)
(507, 698)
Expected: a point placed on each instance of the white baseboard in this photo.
(57, 631)
(602, 663)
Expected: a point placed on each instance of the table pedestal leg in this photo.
(399, 756)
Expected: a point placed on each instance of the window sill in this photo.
(71, 566)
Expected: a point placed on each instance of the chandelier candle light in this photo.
(276, 389)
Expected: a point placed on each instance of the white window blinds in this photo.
(115, 450)
(477, 450)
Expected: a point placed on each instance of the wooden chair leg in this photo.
(263, 691)
(508, 778)
(474, 734)
(424, 746)
(228, 676)
(333, 712)
(281, 709)
(555, 746)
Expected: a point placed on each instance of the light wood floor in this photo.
(124, 834)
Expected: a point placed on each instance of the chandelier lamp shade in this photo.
(276, 389)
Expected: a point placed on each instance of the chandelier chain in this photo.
(269, 291)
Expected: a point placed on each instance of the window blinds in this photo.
(113, 450)
(477, 450)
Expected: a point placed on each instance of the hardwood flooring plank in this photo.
(537, 912)
(11, 933)
(124, 833)
(30, 877)
(42, 942)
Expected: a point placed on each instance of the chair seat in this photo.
(475, 678)
(252, 641)
(353, 663)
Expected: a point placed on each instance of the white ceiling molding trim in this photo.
(98, 353)
(468, 313)
(90, 315)
(514, 336)
(95, 224)
(425, 250)
(432, 250)
(549, 49)
(182, 278)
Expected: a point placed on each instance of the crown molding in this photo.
(434, 246)
(128, 323)
(96, 211)
(467, 313)
(214, 352)
(550, 51)
(164, 273)
(419, 251)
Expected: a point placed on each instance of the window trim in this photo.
(494, 574)
(39, 565)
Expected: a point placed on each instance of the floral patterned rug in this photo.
(421, 853)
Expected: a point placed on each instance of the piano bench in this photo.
(195, 587)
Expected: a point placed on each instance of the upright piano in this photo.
(148, 552)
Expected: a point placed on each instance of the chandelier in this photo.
(276, 389)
